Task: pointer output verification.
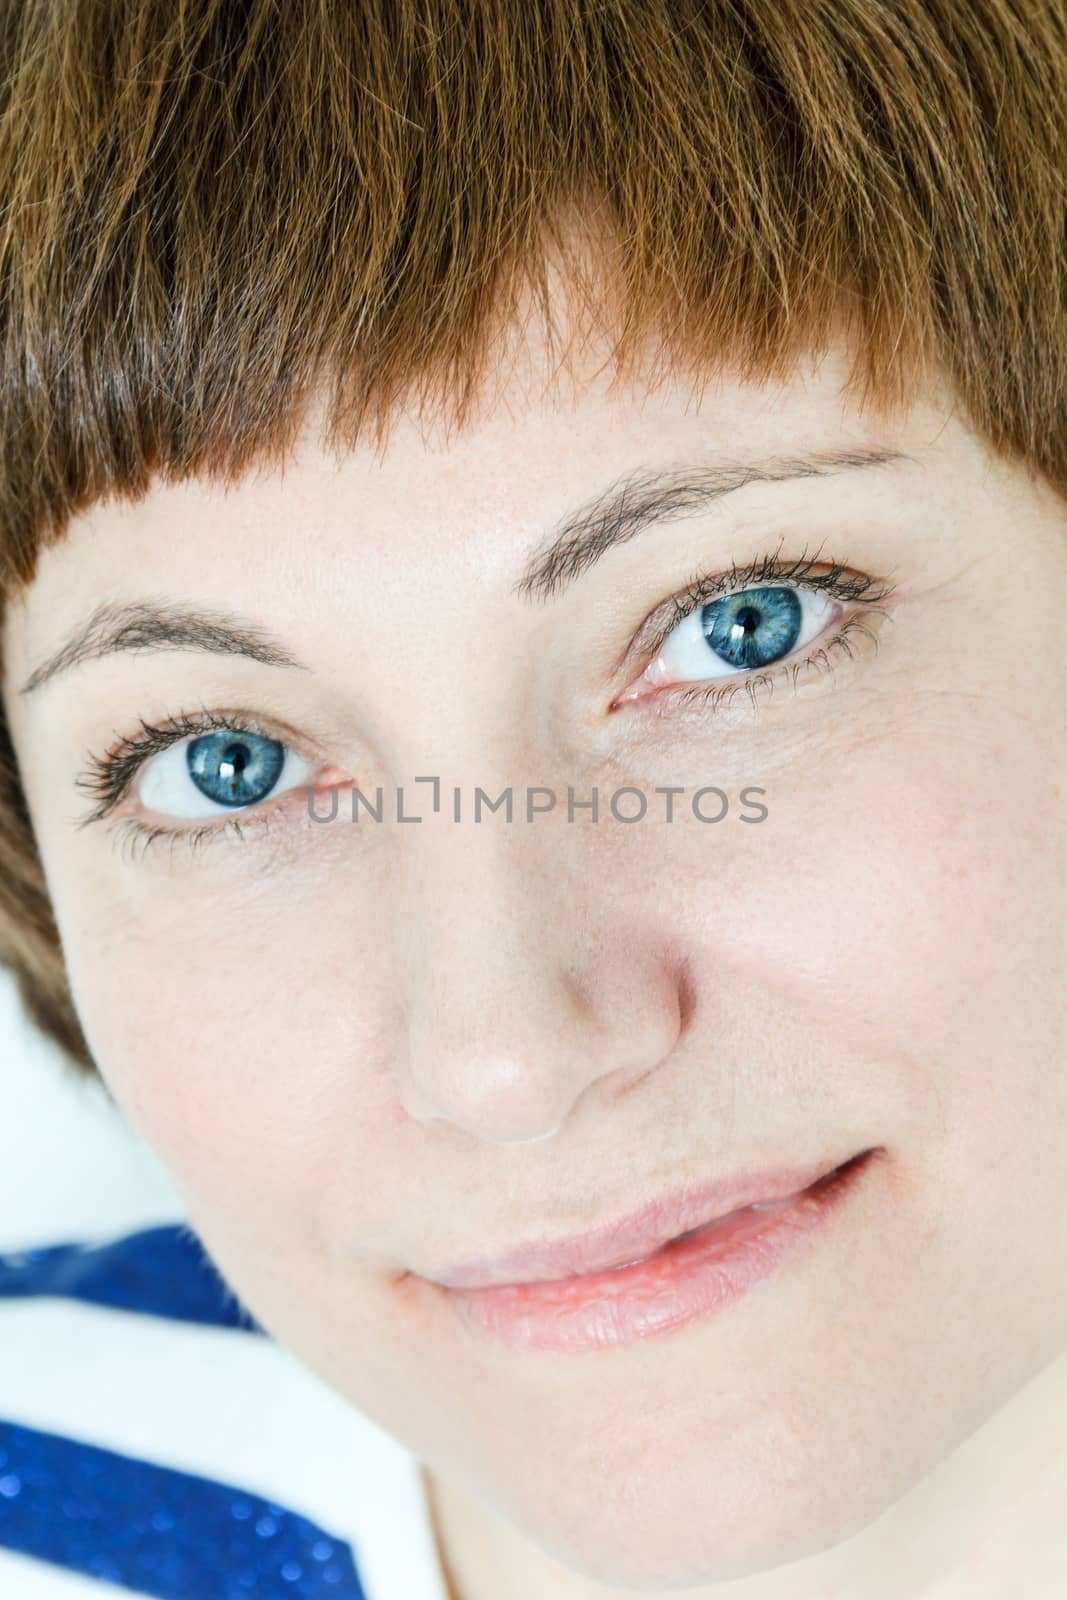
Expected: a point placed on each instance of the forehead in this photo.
(445, 503)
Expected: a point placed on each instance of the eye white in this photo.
(686, 656)
(165, 785)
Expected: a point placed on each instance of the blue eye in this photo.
(224, 769)
(753, 628)
(739, 633)
(234, 769)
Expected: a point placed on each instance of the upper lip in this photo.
(630, 1237)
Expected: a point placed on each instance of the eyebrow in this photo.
(622, 511)
(633, 504)
(120, 625)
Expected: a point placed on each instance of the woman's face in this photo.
(370, 1050)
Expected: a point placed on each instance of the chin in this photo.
(762, 1499)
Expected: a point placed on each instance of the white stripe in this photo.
(24, 1579)
(228, 1405)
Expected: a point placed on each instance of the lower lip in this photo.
(684, 1280)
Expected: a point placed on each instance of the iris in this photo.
(235, 769)
(754, 627)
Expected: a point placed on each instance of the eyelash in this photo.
(838, 580)
(110, 777)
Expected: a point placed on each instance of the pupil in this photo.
(234, 759)
(235, 771)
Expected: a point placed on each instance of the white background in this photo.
(71, 1168)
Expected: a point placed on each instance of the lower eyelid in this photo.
(256, 820)
(716, 691)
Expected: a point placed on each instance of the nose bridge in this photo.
(478, 950)
(512, 1008)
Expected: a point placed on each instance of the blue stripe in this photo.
(161, 1272)
(160, 1532)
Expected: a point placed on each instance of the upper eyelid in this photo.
(659, 623)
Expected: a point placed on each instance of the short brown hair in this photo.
(212, 208)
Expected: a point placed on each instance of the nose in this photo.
(524, 993)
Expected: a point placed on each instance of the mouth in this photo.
(666, 1220)
(688, 1275)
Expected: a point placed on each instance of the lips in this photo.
(643, 1234)
(717, 1225)
(690, 1276)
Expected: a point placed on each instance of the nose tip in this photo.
(511, 1101)
(510, 1052)
(493, 1104)
(504, 1073)
(514, 1010)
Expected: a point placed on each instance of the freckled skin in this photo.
(367, 1051)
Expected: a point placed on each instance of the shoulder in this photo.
(153, 1436)
(161, 1272)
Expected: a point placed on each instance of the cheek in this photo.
(235, 1029)
(900, 914)
(913, 876)
(886, 901)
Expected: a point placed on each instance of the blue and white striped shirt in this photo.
(154, 1437)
